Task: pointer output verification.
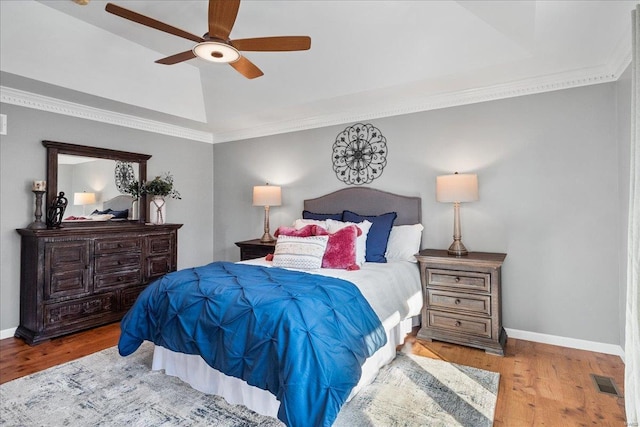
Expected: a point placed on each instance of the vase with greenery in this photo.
(159, 188)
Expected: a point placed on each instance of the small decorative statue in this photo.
(55, 212)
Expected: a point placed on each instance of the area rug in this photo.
(104, 389)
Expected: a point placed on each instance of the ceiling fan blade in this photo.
(150, 22)
(273, 44)
(222, 16)
(246, 68)
(178, 57)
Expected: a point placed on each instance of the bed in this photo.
(392, 290)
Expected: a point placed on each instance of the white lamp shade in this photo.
(267, 195)
(457, 188)
(84, 198)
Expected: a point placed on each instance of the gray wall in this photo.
(23, 160)
(548, 170)
(623, 112)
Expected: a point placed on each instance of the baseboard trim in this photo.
(7, 333)
(598, 347)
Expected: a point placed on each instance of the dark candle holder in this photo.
(38, 223)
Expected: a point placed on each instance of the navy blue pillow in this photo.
(124, 214)
(116, 214)
(320, 216)
(378, 233)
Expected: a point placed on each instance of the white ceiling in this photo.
(367, 59)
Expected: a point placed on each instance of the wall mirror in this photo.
(102, 172)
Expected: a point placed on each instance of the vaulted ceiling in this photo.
(367, 59)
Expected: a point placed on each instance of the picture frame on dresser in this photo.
(462, 299)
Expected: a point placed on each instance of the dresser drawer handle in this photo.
(457, 301)
(120, 278)
(458, 324)
(457, 279)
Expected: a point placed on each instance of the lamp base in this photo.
(267, 238)
(457, 249)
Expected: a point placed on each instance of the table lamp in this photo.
(84, 199)
(267, 195)
(457, 188)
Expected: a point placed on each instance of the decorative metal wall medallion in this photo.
(359, 154)
(124, 175)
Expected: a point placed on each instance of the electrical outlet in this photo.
(3, 124)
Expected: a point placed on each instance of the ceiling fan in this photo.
(215, 45)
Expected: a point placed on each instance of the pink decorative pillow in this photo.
(341, 248)
(306, 231)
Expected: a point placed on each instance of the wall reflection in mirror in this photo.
(105, 178)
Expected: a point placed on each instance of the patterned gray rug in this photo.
(105, 389)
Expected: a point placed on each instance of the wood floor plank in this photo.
(540, 384)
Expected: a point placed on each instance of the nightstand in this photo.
(250, 249)
(462, 303)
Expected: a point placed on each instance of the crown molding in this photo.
(53, 105)
(568, 80)
(544, 84)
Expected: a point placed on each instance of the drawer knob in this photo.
(457, 301)
(457, 279)
(120, 278)
(458, 324)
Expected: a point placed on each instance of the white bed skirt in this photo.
(195, 371)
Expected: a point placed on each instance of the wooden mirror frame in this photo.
(54, 148)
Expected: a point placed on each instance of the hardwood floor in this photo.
(540, 385)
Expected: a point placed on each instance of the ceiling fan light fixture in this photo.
(216, 52)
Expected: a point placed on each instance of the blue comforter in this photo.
(301, 336)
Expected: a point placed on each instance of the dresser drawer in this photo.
(454, 279)
(117, 262)
(128, 296)
(469, 325)
(159, 244)
(480, 304)
(117, 280)
(79, 310)
(158, 266)
(67, 283)
(127, 244)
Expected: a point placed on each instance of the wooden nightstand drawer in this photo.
(472, 303)
(476, 326)
(466, 280)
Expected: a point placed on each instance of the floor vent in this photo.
(605, 385)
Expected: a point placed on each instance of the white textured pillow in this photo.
(404, 242)
(301, 223)
(304, 253)
(361, 240)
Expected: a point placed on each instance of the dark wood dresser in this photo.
(462, 299)
(86, 275)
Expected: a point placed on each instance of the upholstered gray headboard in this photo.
(118, 203)
(368, 201)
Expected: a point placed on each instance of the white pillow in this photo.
(301, 223)
(304, 253)
(404, 242)
(361, 240)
